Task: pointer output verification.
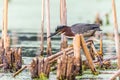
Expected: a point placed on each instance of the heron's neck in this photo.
(68, 32)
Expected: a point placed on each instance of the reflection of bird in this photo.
(80, 28)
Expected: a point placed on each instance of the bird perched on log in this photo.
(80, 28)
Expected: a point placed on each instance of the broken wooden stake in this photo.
(87, 54)
(20, 70)
(77, 55)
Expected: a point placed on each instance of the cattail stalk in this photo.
(49, 52)
(5, 23)
(63, 21)
(117, 43)
(42, 28)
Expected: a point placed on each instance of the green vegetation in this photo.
(42, 76)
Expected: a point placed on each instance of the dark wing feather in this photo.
(81, 28)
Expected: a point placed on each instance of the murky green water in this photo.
(24, 25)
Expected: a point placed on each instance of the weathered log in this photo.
(55, 59)
(59, 53)
(87, 54)
(19, 71)
(78, 58)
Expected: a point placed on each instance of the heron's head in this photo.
(59, 30)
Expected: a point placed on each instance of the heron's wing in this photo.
(75, 29)
(81, 28)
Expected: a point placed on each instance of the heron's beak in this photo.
(52, 34)
(58, 32)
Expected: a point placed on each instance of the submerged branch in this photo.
(19, 71)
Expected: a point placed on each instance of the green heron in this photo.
(80, 28)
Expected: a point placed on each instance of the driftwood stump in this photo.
(17, 59)
(12, 60)
(43, 67)
(65, 68)
(34, 68)
(39, 66)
